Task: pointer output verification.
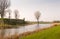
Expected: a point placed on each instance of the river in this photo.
(23, 29)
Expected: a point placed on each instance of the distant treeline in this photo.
(56, 21)
(13, 21)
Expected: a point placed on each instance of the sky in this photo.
(49, 9)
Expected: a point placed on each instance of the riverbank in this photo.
(48, 33)
(16, 35)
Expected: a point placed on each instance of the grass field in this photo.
(51, 33)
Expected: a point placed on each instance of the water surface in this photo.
(22, 29)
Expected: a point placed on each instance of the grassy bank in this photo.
(51, 33)
(40, 22)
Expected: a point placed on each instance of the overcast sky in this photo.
(49, 9)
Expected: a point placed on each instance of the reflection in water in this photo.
(2, 33)
(23, 29)
(37, 26)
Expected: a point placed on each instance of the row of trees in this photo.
(15, 11)
(4, 7)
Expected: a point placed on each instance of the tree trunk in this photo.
(2, 25)
(38, 21)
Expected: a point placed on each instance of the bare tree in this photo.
(37, 15)
(16, 14)
(9, 11)
(4, 4)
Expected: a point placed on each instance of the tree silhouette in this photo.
(4, 4)
(37, 15)
(16, 14)
(9, 11)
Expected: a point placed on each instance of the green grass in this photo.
(51, 33)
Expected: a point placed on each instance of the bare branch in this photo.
(4, 4)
